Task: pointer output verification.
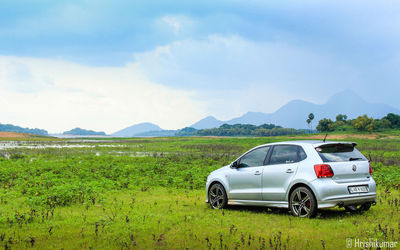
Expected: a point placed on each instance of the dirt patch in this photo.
(390, 137)
(13, 135)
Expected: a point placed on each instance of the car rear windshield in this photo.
(339, 152)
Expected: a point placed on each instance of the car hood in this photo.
(220, 170)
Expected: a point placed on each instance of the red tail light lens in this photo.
(370, 169)
(323, 171)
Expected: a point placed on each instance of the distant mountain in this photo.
(255, 118)
(17, 129)
(294, 113)
(208, 122)
(137, 129)
(158, 133)
(80, 131)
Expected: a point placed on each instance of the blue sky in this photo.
(193, 59)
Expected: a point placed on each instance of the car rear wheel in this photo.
(303, 203)
(217, 196)
(358, 208)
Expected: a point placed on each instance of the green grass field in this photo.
(149, 193)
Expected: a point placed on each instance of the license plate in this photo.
(358, 189)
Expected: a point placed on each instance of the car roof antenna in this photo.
(325, 137)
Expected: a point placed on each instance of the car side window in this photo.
(254, 158)
(284, 154)
(302, 154)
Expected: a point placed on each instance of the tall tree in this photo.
(311, 118)
(394, 120)
(308, 123)
(325, 125)
(341, 118)
(364, 123)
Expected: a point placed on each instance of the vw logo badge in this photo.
(354, 168)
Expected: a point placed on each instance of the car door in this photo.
(245, 180)
(279, 171)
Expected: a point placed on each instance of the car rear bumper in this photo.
(331, 194)
(348, 200)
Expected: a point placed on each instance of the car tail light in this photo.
(323, 171)
(370, 169)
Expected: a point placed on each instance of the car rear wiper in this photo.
(355, 159)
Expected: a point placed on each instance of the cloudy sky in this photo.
(105, 65)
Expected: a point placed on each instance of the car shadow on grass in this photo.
(258, 209)
(336, 213)
(321, 214)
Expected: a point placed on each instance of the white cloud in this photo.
(235, 75)
(224, 76)
(175, 23)
(99, 98)
(18, 77)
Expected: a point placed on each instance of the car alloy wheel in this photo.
(217, 196)
(302, 203)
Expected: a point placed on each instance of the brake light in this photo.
(370, 169)
(323, 171)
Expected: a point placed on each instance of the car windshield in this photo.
(339, 152)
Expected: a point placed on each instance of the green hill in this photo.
(17, 129)
(80, 131)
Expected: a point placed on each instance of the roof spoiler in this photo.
(333, 142)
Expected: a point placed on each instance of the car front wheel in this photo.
(217, 196)
(303, 203)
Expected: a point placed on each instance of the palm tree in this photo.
(308, 122)
(310, 118)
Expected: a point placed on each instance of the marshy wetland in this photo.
(149, 193)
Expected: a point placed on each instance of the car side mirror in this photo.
(234, 164)
(241, 165)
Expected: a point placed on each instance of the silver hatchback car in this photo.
(302, 176)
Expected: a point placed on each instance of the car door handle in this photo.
(289, 171)
(257, 172)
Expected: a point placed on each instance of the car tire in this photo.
(358, 208)
(302, 203)
(217, 196)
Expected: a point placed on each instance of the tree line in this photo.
(240, 130)
(361, 123)
(342, 123)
